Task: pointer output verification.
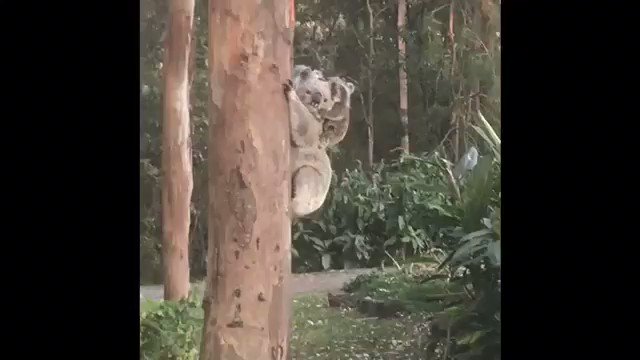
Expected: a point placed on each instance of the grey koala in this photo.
(336, 120)
(319, 112)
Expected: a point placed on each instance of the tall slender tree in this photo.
(247, 301)
(402, 54)
(371, 82)
(176, 151)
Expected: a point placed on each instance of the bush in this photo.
(399, 207)
(415, 205)
(472, 329)
(171, 330)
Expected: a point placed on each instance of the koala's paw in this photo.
(287, 87)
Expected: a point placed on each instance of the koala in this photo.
(310, 165)
(336, 120)
(319, 112)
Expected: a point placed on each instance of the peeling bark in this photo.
(176, 152)
(247, 301)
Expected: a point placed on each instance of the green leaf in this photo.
(493, 252)
(401, 223)
(392, 240)
(196, 313)
(494, 148)
(468, 249)
(471, 338)
(475, 234)
(485, 124)
(326, 261)
(317, 241)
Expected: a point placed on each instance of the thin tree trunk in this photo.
(404, 116)
(247, 301)
(455, 119)
(370, 135)
(176, 152)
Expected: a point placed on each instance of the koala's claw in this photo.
(288, 86)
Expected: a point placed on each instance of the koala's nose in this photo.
(316, 97)
(304, 74)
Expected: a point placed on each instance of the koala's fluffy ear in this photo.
(298, 69)
(350, 87)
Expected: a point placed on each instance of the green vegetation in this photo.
(320, 332)
(172, 331)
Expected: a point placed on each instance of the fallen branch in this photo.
(394, 260)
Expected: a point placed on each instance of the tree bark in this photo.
(176, 155)
(455, 120)
(404, 116)
(370, 134)
(247, 300)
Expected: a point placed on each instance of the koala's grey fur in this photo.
(313, 89)
(310, 181)
(336, 120)
(319, 112)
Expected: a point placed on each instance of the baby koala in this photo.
(336, 120)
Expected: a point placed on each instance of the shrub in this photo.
(401, 206)
(472, 330)
(170, 330)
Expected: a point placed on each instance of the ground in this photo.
(301, 283)
(322, 332)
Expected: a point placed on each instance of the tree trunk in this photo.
(247, 300)
(455, 119)
(371, 85)
(176, 152)
(404, 116)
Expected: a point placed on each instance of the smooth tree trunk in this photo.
(404, 116)
(176, 152)
(247, 300)
(455, 119)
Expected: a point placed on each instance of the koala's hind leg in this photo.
(311, 179)
(309, 191)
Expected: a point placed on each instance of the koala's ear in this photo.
(350, 87)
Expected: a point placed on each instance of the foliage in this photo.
(398, 207)
(414, 294)
(170, 330)
(468, 232)
(320, 332)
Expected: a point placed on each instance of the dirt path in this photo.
(301, 283)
